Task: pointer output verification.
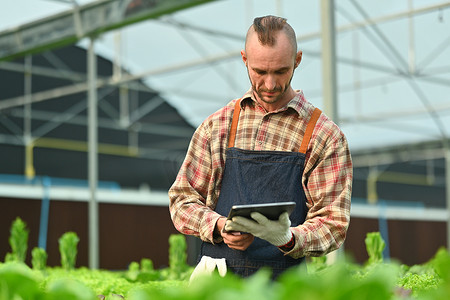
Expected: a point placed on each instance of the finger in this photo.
(202, 264)
(237, 228)
(284, 219)
(199, 269)
(226, 228)
(210, 265)
(241, 224)
(261, 219)
(232, 228)
(234, 240)
(243, 243)
(243, 221)
(240, 246)
(222, 267)
(248, 237)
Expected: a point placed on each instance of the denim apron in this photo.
(252, 177)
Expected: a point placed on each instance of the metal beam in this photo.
(87, 20)
(70, 90)
(329, 86)
(317, 34)
(92, 157)
(64, 74)
(393, 115)
(83, 87)
(47, 95)
(173, 149)
(398, 154)
(204, 30)
(150, 105)
(29, 168)
(447, 190)
(392, 17)
(71, 117)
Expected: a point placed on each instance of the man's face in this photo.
(270, 69)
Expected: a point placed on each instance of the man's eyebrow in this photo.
(283, 69)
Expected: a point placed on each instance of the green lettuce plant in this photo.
(38, 258)
(178, 267)
(18, 241)
(68, 249)
(374, 246)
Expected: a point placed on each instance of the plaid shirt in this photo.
(327, 177)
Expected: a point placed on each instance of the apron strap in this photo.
(307, 136)
(309, 130)
(234, 123)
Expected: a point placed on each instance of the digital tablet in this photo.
(271, 211)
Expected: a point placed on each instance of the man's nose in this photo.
(270, 83)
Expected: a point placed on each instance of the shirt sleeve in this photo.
(192, 195)
(327, 181)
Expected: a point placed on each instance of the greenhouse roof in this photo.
(392, 60)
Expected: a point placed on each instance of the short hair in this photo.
(268, 26)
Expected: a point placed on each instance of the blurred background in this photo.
(99, 100)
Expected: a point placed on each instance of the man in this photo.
(269, 146)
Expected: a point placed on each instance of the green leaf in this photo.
(17, 281)
(177, 256)
(68, 249)
(69, 289)
(375, 246)
(38, 258)
(18, 240)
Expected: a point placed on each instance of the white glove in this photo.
(207, 265)
(275, 232)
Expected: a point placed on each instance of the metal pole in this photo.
(29, 169)
(123, 88)
(411, 51)
(92, 156)
(447, 188)
(329, 85)
(329, 75)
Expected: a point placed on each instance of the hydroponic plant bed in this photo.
(375, 279)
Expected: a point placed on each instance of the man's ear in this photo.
(298, 58)
(244, 57)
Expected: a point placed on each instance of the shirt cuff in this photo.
(289, 245)
(207, 233)
(297, 250)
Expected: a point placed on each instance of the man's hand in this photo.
(275, 232)
(234, 239)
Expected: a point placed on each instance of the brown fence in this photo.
(410, 241)
(126, 232)
(129, 232)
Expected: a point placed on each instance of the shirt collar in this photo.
(297, 103)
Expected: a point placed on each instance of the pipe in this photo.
(372, 195)
(73, 145)
(45, 209)
(406, 178)
(383, 227)
(29, 165)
